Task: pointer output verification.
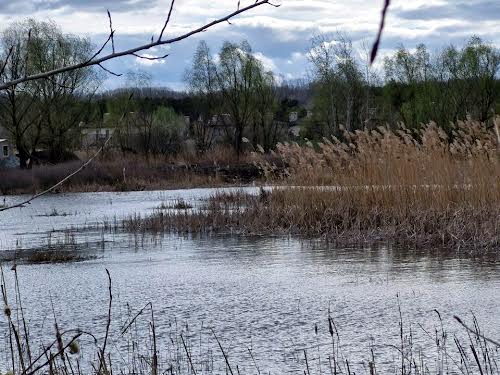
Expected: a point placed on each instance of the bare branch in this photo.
(151, 58)
(379, 34)
(167, 21)
(110, 71)
(27, 54)
(128, 52)
(4, 65)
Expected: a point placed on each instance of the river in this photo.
(270, 295)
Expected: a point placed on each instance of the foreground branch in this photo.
(132, 51)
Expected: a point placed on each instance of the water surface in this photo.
(267, 294)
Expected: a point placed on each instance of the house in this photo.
(222, 126)
(6, 149)
(95, 135)
(8, 157)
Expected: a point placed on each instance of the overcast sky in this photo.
(280, 37)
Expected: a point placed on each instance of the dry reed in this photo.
(420, 188)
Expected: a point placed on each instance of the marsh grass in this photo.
(55, 256)
(179, 204)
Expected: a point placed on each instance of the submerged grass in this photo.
(420, 188)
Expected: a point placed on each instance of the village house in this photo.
(95, 135)
(8, 157)
(6, 149)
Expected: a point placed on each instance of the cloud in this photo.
(280, 37)
(470, 10)
(267, 62)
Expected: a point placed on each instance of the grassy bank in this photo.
(415, 188)
(128, 172)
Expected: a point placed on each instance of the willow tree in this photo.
(471, 76)
(266, 130)
(201, 78)
(42, 113)
(17, 102)
(237, 72)
(63, 100)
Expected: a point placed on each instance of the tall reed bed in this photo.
(418, 188)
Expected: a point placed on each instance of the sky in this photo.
(280, 37)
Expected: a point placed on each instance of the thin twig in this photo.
(124, 330)
(111, 32)
(109, 71)
(376, 45)
(108, 324)
(154, 58)
(167, 21)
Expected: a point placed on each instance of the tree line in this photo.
(415, 86)
(231, 98)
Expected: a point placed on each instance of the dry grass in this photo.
(422, 189)
(127, 172)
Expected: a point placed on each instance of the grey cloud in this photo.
(472, 11)
(18, 7)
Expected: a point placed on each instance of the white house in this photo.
(95, 135)
(8, 157)
(6, 149)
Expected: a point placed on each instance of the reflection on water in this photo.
(259, 292)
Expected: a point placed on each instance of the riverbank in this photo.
(119, 172)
